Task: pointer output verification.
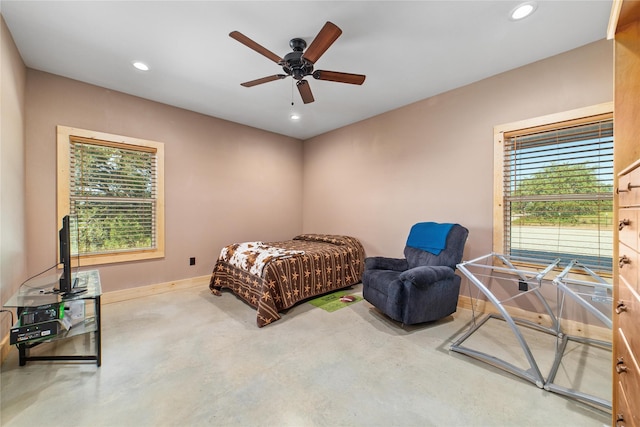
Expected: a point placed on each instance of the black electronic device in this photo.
(67, 285)
(43, 313)
(36, 331)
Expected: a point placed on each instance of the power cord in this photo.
(31, 287)
(10, 312)
(36, 275)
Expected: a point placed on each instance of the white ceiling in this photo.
(409, 50)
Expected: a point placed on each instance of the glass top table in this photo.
(502, 279)
(40, 291)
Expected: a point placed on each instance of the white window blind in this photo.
(558, 193)
(113, 196)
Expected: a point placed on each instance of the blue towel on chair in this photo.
(429, 236)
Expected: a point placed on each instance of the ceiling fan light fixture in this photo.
(523, 10)
(140, 65)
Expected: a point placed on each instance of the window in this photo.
(113, 186)
(555, 188)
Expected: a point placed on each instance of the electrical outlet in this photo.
(523, 286)
(192, 260)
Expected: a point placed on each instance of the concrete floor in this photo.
(187, 358)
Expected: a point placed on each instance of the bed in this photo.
(274, 276)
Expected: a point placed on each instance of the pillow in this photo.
(326, 238)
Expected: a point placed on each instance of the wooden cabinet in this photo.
(626, 353)
(624, 29)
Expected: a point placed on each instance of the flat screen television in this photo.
(67, 286)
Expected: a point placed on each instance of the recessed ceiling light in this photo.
(523, 10)
(141, 66)
(294, 116)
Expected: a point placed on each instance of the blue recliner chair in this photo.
(423, 286)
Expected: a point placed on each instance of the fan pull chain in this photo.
(292, 92)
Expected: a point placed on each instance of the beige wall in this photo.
(12, 171)
(433, 160)
(224, 182)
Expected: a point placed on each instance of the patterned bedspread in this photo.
(307, 266)
(254, 256)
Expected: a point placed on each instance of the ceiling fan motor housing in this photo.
(294, 64)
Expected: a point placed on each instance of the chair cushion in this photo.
(425, 275)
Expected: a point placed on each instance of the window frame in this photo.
(551, 121)
(65, 135)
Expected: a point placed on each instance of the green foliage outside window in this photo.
(113, 197)
(571, 184)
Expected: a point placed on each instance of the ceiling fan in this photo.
(299, 63)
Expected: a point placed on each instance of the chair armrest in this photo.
(383, 263)
(425, 275)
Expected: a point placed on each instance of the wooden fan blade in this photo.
(305, 91)
(335, 76)
(263, 80)
(325, 38)
(255, 46)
